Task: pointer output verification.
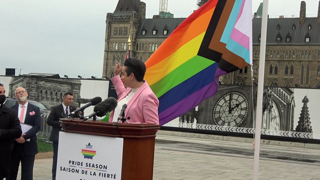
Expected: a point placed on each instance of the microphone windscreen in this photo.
(105, 106)
(95, 100)
(111, 104)
(99, 109)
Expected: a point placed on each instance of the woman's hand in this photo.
(117, 68)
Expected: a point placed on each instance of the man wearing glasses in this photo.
(25, 147)
(9, 130)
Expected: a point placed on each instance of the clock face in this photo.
(230, 110)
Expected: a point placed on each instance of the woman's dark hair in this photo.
(135, 66)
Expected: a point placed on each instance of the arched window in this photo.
(310, 55)
(287, 54)
(270, 69)
(306, 54)
(290, 54)
(308, 74)
(276, 70)
(288, 38)
(288, 84)
(286, 70)
(293, 54)
(40, 94)
(302, 72)
(302, 55)
(114, 60)
(152, 47)
(291, 70)
(122, 60)
(274, 54)
(279, 38)
(319, 55)
(307, 38)
(278, 54)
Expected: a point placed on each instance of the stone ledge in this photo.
(239, 139)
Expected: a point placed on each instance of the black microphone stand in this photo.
(123, 118)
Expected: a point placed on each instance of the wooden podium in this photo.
(138, 143)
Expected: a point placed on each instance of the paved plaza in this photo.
(193, 156)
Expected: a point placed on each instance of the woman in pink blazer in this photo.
(142, 103)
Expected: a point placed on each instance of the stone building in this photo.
(292, 52)
(46, 88)
(128, 21)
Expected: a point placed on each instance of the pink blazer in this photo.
(142, 107)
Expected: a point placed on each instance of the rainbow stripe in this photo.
(88, 154)
(214, 40)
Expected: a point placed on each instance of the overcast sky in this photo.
(67, 36)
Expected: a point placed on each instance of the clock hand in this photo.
(237, 105)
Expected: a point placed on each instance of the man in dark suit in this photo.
(26, 147)
(57, 112)
(9, 130)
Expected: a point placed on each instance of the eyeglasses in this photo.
(20, 92)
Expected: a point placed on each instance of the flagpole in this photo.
(257, 135)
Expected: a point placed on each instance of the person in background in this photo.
(132, 90)
(9, 130)
(26, 146)
(57, 112)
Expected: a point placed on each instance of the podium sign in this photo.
(89, 157)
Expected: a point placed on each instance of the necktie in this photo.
(67, 112)
(22, 113)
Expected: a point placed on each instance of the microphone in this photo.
(121, 115)
(93, 102)
(104, 107)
